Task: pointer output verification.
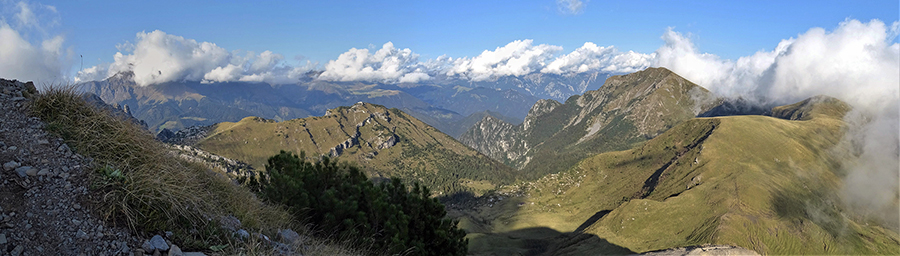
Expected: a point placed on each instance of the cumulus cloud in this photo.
(856, 62)
(571, 7)
(387, 65)
(591, 57)
(27, 51)
(517, 58)
(158, 57)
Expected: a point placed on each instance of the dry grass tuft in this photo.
(144, 186)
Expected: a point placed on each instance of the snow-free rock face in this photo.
(625, 110)
(497, 139)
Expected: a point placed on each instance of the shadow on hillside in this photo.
(542, 241)
(593, 219)
(816, 204)
(483, 211)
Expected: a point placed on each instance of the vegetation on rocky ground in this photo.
(143, 186)
(339, 199)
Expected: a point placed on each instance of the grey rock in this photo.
(12, 148)
(31, 171)
(175, 251)
(76, 222)
(139, 252)
(80, 235)
(157, 242)
(10, 165)
(230, 223)
(194, 254)
(63, 148)
(156, 253)
(43, 142)
(287, 236)
(146, 246)
(43, 172)
(23, 171)
(282, 249)
(242, 234)
(17, 251)
(2, 238)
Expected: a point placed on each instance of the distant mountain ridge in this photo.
(443, 102)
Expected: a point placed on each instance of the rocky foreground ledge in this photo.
(45, 205)
(705, 250)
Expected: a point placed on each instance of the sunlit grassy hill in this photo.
(385, 142)
(765, 183)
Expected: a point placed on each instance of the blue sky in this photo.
(321, 30)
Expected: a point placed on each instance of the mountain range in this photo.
(444, 103)
(645, 162)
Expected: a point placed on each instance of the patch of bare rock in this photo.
(705, 250)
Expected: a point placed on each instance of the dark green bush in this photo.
(341, 202)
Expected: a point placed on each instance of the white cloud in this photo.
(30, 59)
(25, 16)
(157, 57)
(856, 62)
(591, 57)
(227, 73)
(387, 65)
(571, 7)
(517, 58)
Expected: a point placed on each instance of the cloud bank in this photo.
(517, 58)
(856, 62)
(387, 65)
(28, 52)
(157, 57)
(591, 57)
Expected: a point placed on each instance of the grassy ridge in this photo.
(762, 183)
(142, 185)
(414, 150)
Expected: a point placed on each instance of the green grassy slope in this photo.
(385, 142)
(763, 183)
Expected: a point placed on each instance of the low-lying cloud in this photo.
(157, 57)
(28, 51)
(856, 62)
(388, 65)
(517, 58)
(591, 57)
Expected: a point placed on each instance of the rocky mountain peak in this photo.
(543, 106)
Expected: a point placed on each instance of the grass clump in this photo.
(143, 186)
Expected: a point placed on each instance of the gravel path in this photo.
(44, 207)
